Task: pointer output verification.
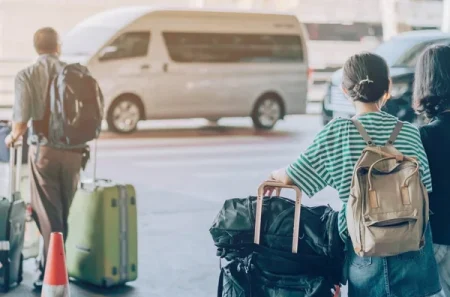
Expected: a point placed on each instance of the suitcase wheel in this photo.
(104, 284)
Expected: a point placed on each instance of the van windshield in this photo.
(86, 40)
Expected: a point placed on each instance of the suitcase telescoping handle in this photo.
(94, 169)
(259, 203)
(94, 172)
(15, 166)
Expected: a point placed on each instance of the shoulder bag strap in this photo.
(395, 133)
(362, 132)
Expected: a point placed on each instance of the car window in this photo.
(409, 59)
(187, 47)
(394, 49)
(127, 45)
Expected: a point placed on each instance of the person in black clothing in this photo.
(432, 97)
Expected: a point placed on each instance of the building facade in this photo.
(20, 18)
(350, 26)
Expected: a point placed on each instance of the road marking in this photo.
(232, 174)
(269, 148)
(125, 143)
(214, 162)
(294, 124)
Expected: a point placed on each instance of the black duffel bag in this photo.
(243, 277)
(233, 228)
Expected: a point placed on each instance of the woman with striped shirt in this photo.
(330, 160)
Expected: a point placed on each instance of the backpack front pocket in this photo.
(382, 233)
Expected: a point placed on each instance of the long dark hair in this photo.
(366, 77)
(432, 81)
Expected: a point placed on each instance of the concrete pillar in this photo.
(389, 18)
(446, 16)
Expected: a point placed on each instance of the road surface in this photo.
(182, 177)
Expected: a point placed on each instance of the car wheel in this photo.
(124, 115)
(267, 112)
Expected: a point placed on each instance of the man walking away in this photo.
(54, 169)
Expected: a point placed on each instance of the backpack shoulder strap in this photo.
(363, 132)
(395, 133)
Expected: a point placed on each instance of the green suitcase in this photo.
(102, 241)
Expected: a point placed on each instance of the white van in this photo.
(174, 64)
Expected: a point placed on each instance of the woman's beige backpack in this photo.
(387, 212)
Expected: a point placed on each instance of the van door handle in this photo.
(145, 66)
(165, 67)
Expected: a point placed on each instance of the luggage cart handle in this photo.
(259, 203)
(278, 186)
(15, 168)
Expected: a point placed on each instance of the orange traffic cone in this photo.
(56, 280)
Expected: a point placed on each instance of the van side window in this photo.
(343, 32)
(127, 45)
(189, 47)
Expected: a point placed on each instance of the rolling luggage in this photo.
(12, 225)
(101, 248)
(5, 130)
(32, 235)
(268, 271)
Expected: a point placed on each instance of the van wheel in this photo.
(124, 115)
(267, 112)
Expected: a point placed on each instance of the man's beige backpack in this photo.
(387, 212)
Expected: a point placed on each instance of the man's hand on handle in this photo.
(18, 129)
(9, 141)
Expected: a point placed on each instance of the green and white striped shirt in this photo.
(331, 158)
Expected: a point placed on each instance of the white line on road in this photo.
(252, 161)
(126, 143)
(302, 123)
(270, 148)
(232, 174)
